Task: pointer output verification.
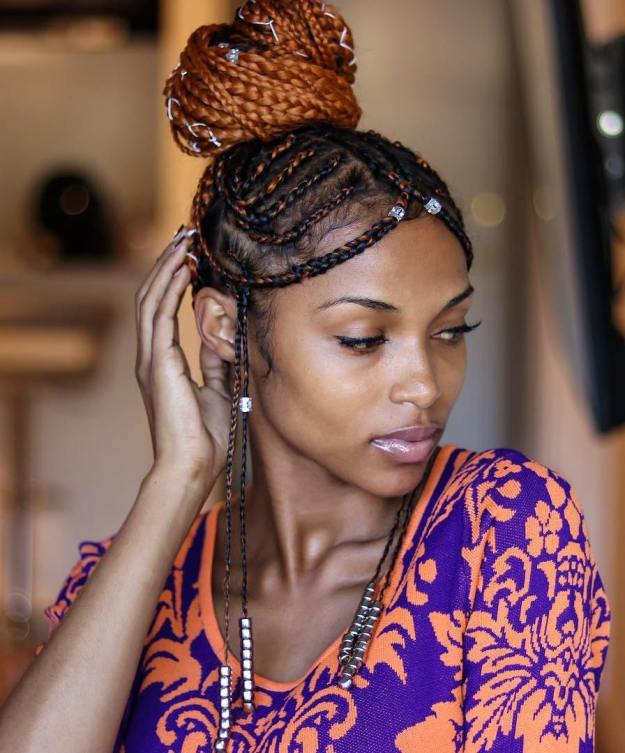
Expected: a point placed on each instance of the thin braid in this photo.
(271, 212)
(297, 160)
(399, 513)
(232, 434)
(299, 230)
(261, 163)
(245, 417)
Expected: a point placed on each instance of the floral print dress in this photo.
(494, 634)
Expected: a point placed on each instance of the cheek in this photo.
(318, 387)
(451, 372)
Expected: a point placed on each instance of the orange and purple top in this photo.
(493, 636)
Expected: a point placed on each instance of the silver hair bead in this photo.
(433, 206)
(398, 212)
(225, 673)
(232, 56)
(247, 664)
(245, 404)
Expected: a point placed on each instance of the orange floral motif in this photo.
(542, 529)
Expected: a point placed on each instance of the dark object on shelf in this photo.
(70, 211)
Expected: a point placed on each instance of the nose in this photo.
(418, 384)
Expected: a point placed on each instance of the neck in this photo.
(301, 519)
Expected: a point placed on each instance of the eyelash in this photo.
(353, 342)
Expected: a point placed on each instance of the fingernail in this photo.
(177, 233)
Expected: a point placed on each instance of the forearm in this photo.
(73, 696)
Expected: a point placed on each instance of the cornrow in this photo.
(268, 102)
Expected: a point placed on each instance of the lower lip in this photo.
(406, 452)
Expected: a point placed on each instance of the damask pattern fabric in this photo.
(494, 636)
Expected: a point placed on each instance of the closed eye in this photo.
(454, 334)
(451, 335)
(361, 344)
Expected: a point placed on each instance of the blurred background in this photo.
(519, 104)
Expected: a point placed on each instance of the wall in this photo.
(90, 445)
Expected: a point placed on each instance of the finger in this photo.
(183, 233)
(164, 323)
(177, 342)
(150, 303)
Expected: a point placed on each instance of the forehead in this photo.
(419, 259)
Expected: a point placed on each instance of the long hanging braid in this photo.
(268, 102)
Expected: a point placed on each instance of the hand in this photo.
(188, 423)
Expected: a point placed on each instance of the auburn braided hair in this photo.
(267, 101)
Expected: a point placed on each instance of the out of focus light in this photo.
(74, 199)
(488, 209)
(543, 202)
(17, 606)
(610, 123)
(614, 166)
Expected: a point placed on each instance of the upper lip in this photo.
(412, 433)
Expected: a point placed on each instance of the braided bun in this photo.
(280, 65)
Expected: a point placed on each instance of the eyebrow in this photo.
(372, 303)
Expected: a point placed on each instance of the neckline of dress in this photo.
(208, 616)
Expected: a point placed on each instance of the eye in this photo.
(453, 335)
(361, 344)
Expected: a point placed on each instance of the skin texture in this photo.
(322, 499)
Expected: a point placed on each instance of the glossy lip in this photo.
(416, 433)
(406, 452)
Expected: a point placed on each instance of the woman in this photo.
(405, 595)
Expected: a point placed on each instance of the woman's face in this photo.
(327, 398)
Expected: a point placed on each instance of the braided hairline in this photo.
(206, 194)
(321, 264)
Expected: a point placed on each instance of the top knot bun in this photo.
(280, 65)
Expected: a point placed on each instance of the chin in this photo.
(396, 482)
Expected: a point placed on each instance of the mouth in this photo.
(410, 445)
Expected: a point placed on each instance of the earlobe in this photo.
(215, 314)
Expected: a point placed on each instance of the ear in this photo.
(215, 316)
